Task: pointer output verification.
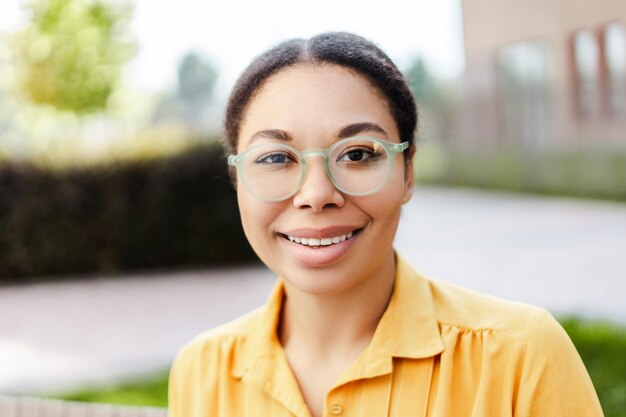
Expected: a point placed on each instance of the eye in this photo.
(275, 158)
(358, 154)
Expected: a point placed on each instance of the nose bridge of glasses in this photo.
(323, 153)
(315, 152)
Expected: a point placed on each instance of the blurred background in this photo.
(119, 232)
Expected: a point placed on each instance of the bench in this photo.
(38, 407)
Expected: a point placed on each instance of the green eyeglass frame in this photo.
(390, 148)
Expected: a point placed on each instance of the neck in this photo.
(332, 326)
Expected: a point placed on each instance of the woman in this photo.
(321, 132)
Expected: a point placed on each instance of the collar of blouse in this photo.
(408, 329)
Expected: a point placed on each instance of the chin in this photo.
(319, 282)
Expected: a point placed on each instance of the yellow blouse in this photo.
(439, 350)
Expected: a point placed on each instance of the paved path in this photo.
(563, 254)
(566, 255)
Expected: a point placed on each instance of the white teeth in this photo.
(320, 242)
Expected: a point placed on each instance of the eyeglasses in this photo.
(357, 166)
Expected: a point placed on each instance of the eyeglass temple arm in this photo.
(398, 147)
(233, 159)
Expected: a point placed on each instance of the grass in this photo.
(151, 391)
(601, 345)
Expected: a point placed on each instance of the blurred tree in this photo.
(196, 81)
(193, 94)
(421, 81)
(435, 98)
(72, 52)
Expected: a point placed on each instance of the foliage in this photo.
(601, 346)
(148, 392)
(436, 101)
(170, 212)
(72, 53)
(194, 93)
(422, 83)
(579, 172)
(196, 79)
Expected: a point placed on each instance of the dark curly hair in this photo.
(337, 48)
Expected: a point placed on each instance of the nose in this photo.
(317, 191)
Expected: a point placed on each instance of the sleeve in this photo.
(181, 374)
(192, 386)
(554, 381)
(173, 396)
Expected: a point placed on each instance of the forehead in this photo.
(314, 101)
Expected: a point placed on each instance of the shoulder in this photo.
(205, 366)
(517, 354)
(525, 341)
(521, 343)
(219, 344)
(454, 306)
(472, 310)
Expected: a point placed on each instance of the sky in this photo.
(232, 32)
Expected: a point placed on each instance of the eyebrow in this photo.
(350, 130)
(275, 134)
(358, 128)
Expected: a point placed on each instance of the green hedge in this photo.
(575, 171)
(601, 346)
(172, 212)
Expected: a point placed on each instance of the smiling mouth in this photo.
(322, 242)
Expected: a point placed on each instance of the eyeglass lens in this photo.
(274, 171)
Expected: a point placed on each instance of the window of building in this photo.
(615, 62)
(587, 70)
(524, 92)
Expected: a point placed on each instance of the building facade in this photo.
(544, 72)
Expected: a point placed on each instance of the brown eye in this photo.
(355, 155)
(360, 154)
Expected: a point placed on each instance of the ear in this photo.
(409, 177)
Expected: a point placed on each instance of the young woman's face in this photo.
(309, 106)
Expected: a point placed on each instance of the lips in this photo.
(320, 247)
(321, 237)
(326, 241)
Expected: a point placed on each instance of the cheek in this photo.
(249, 216)
(389, 202)
(394, 190)
(384, 206)
(256, 217)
